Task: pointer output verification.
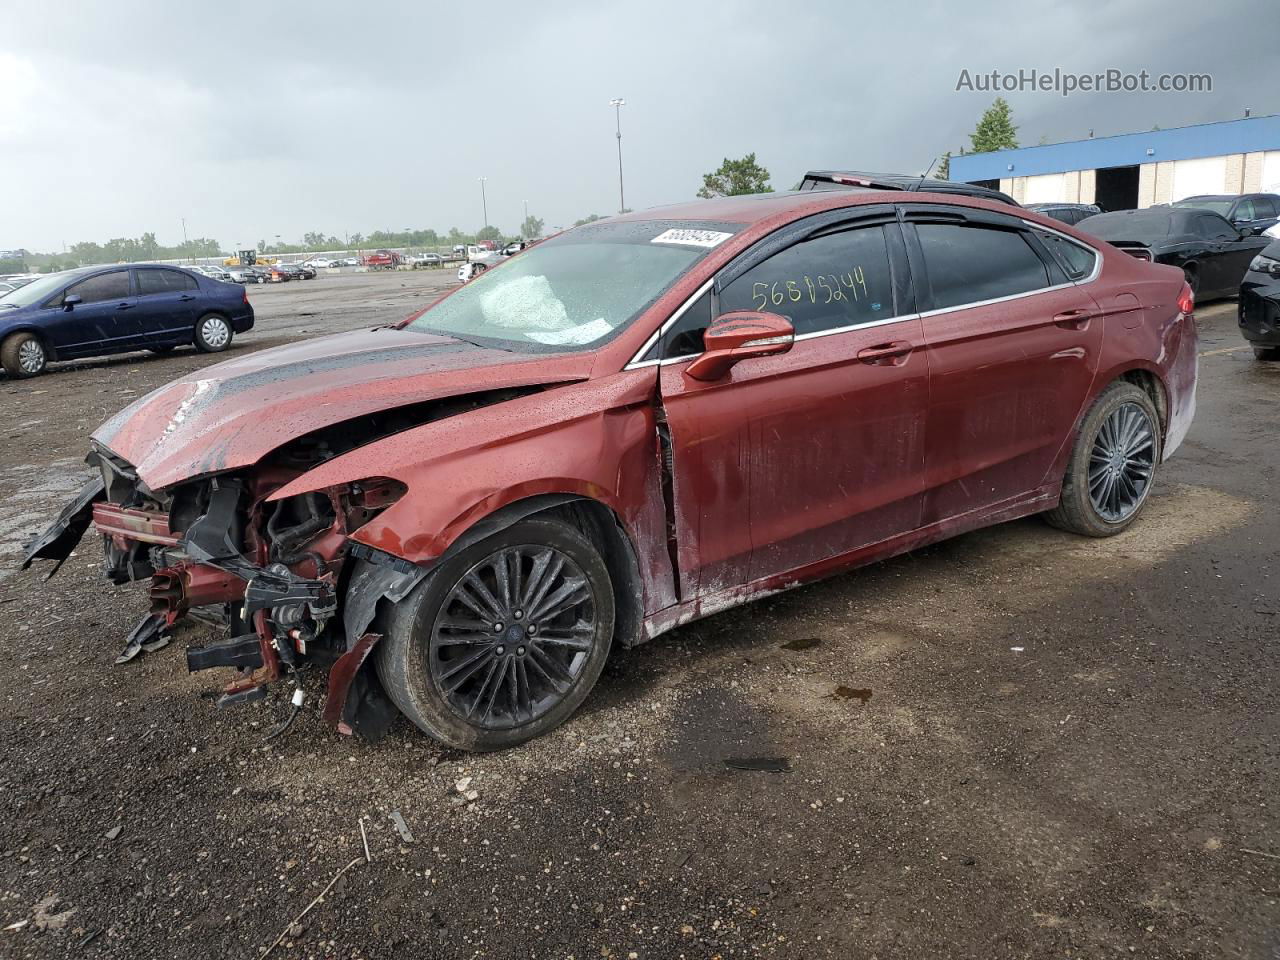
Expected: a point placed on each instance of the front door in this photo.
(794, 459)
(104, 321)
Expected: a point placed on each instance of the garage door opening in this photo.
(1116, 188)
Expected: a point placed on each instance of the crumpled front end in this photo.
(270, 573)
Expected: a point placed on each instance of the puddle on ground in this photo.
(802, 643)
(851, 693)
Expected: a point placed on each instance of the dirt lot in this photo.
(1014, 744)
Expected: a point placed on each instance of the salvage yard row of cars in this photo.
(458, 517)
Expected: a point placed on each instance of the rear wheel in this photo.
(503, 641)
(1266, 353)
(1112, 465)
(23, 355)
(213, 333)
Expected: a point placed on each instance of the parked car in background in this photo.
(1212, 254)
(348, 262)
(853, 180)
(1069, 213)
(6, 287)
(1259, 308)
(213, 273)
(470, 270)
(427, 260)
(305, 272)
(279, 273)
(1249, 212)
(247, 274)
(463, 514)
(102, 310)
(321, 263)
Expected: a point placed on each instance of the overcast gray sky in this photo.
(264, 119)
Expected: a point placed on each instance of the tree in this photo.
(995, 131)
(492, 234)
(735, 178)
(589, 218)
(532, 227)
(944, 167)
(356, 239)
(262, 246)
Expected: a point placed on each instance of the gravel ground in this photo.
(1017, 743)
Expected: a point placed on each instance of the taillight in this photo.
(1186, 300)
(245, 293)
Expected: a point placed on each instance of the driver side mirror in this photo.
(737, 336)
(70, 300)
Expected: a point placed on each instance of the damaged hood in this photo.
(234, 413)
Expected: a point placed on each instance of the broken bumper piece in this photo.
(62, 536)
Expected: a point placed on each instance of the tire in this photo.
(557, 666)
(213, 333)
(1270, 354)
(23, 355)
(1092, 513)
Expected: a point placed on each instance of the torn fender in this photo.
(599, 443)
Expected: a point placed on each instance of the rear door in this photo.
(1013, 347)
(1230, 253)
(104, 321)
(167, 303)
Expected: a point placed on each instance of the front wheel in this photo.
(213, 333)
(23, 355)
(1112, 465)
(504, 640)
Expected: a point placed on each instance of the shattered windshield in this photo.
(575, 290)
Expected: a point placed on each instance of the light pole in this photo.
(184, 238)
(526, 218)
(618, 103)
(483, 202)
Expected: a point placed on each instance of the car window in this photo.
(104, 286)
(1263, 207)
(164, 281)
(1215, 227)
(684, 337)
(1244, 211)
(1076, 259)
(832, 281)
(970, 264)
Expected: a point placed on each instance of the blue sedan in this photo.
(101, 310)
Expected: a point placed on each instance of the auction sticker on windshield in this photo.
(692, 238)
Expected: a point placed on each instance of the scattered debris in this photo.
(1017, 649)
(17, 925)
(762, 764)
(364, 837)
(113, 832)
(151, 634)
(802, 643)
(296, 924)
(89, 937)
(1260, 853)
(851, 693)
(402, 828)
(464, 791)
(47, 915)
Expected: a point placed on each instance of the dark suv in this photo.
(1249, 212)
(853, 180)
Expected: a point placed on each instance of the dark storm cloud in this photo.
(122, 118)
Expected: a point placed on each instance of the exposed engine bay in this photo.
(281, 577)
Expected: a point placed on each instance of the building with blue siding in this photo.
(1136, 169)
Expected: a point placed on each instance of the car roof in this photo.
(847, 179)
(756, 207)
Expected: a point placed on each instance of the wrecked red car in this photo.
(635, 423)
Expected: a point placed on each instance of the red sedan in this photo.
(634, 424)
